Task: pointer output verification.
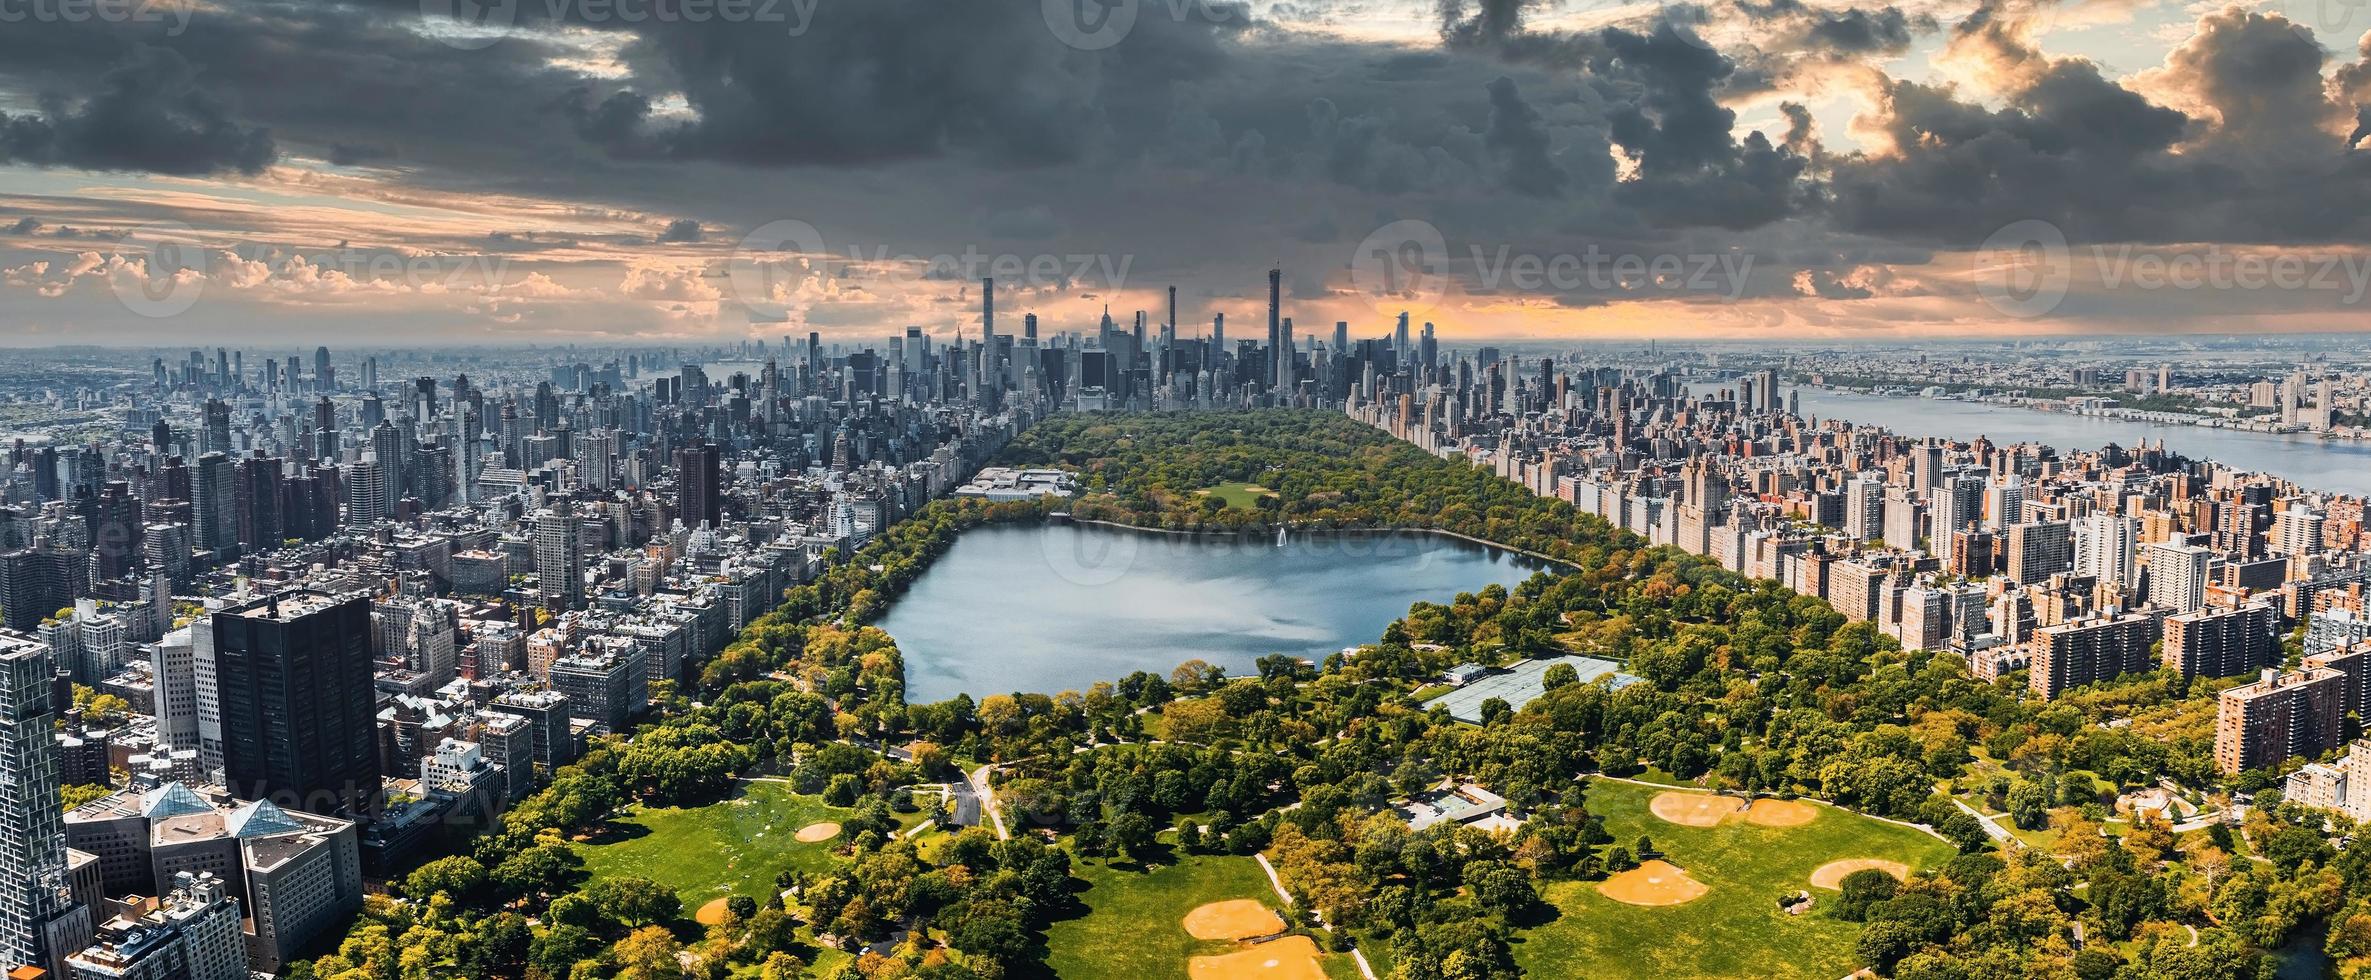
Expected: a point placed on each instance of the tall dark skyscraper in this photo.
(115, 531)
(299, 719)
(1276, 351)
(699, 493)
(39, 922)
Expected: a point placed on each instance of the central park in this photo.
(1754, 788)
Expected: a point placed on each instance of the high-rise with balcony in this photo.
(39, 922)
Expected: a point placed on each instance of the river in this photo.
(2315, 463)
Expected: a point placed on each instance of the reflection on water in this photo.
(1054, 608)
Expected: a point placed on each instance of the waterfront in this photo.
(2316, 463)
(1053, 608)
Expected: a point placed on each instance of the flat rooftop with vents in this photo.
(1524, 683)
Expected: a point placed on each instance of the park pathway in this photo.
(979, 785)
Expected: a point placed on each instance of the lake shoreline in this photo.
(1264, 530)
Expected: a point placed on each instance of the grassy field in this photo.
(1244, 495)
(1132, 925)
(1737, 929)
(735, 847)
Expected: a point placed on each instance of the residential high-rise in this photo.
(2222, 642)
(39, 922)
(559, 558)
(2089, 651)
(2178, 576)
(2039, 550)
(2105, 548)
(1864, 509)
(2300, 712)
(299, 713)
(1958, 504)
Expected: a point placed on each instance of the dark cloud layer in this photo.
(1502, 132)
(148, 114)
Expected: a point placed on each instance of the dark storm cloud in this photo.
(871, 80)
(1792, 25)
(682, 230)
(1658, 92)
(147, 114)
(2104, 163)
(347, 154)
(1520, 144)
(25, 226)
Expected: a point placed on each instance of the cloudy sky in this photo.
(539, 171)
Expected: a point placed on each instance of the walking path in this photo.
(979, 785)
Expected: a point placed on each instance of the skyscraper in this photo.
(299, 715)
(559, 558)
(215, 498)
(699, 491)
(39, 922)
(1276, 351)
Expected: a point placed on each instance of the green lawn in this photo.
(1133, 925)
(1244, 495)
(735, 847)
(1734, 931)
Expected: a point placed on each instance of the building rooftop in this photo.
(1523, 683)
(285, 606)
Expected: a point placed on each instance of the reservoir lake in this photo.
(1030, 608)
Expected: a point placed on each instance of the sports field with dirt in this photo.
(1735, 858)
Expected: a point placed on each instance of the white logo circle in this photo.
(172, 274)
(490, 16)
(1402, 267)
(1090, 558)
(1090, 25)
(2023, 270)
(772, 260)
